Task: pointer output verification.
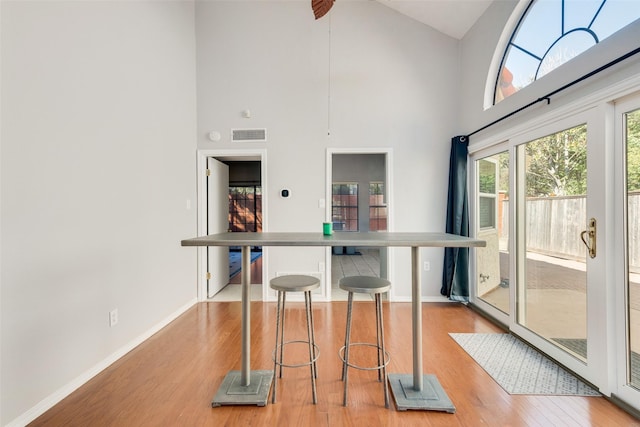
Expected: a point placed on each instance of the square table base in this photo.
(232, 392)
(431, 398)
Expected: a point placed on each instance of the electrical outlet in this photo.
(427, 266)
(113, 317)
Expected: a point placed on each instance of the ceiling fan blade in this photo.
(321, 7)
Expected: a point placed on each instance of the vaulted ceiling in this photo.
(451, 17)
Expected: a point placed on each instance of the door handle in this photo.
(590, 234)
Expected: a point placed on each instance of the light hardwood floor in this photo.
(170, 379)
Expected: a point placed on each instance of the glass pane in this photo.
(552, 286)
(615, 15)
(519, 71)
(633, 244)
(344, 206)
(487, 212)
(568, 47)
(377, 207)
(493, 260)
(540, 28)
(487, 178)
(580, 13)
(245, 209)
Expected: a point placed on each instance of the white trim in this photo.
(423, 298)
(612, 92)
(201, 167)
(618, 307)
(54, 398)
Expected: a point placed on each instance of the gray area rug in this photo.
(519, 368)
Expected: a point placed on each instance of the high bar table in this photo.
(411, 391)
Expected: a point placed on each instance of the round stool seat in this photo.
(295, 283)
(364, 284)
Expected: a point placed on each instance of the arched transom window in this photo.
(551, 32)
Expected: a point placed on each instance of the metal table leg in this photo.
(245, 387)
(418, 391)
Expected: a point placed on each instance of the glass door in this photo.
(559, 265)
(492, 225)
(628, 302)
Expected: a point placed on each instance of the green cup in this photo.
(327, 228)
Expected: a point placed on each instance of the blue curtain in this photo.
(455, 276)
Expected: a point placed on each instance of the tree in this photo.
(633, 151)
(557, 164)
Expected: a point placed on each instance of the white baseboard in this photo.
(51, 400)
(435, 298)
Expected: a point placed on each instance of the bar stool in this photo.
(295, 283)
(367, 285)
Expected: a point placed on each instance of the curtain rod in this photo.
(548, 96)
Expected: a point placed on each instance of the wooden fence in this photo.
(554, 225)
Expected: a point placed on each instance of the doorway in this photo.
(245, 214)
(559, 264)
(231, 198)
(539, 205)
(359, 188)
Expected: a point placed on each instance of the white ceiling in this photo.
(451, 17)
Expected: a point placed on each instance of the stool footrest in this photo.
(298, 365)
(387, 357)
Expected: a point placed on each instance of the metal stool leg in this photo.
(347, 341)
(313, 340)
(275, 359)
(282, 311)
(381, 349)
(307, 304)
(378, 335)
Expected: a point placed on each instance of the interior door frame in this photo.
(388, 153)
(237, 154)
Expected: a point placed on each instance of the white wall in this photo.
(364, 76)
(98, 140)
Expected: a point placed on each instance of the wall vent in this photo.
(254, 135)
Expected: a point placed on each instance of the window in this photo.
(487, 193)
(377, 207)
(551, 32)
(245, 208)
(344, 206)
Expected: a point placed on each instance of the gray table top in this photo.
(363, 239)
